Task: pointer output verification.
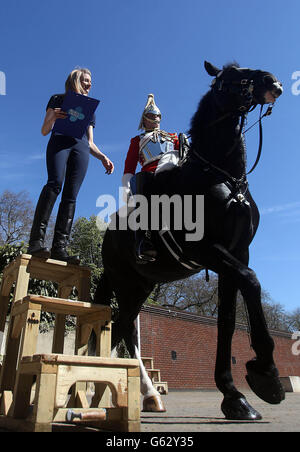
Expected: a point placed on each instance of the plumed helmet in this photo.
(150, 107)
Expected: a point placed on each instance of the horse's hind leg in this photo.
(130, 303)
(152, 401)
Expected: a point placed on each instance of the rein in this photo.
(243, 178)
(267, 113)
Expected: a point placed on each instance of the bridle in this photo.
(244, 88)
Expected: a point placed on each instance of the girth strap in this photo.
(177, 252)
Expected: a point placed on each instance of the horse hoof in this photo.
(153, 404)
(265, 384)
(239, 409)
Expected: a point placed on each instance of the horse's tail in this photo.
(104, 291)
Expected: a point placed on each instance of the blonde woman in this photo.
(67, 162)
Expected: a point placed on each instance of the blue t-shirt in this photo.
(56, 101)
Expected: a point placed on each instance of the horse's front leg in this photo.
(234, 405)
(262, 374)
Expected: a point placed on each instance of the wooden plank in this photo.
(64, 290)
(18, 323)
(4, 303)
(134, 410)
(6, 284)
(34, 368)
(84, 332)
(80, 398)
(96, 312)
(87, 311)
(30, 334)
(48, 301)
(8, 373)
(103, 338)
(5, 402)
(69, 375)
(154, 374)
(134, 372)
(59, 333)
(22, 281)
(22, 393)
(84, 286)
(50, 269)
(78, 360)
(161, 386)
(28, 347)
(43, 408)
(148, 362)
(102, 396)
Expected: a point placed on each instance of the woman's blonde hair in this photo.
(73, 81)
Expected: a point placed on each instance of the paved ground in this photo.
(199, 411)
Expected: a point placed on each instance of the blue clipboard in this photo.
(80, 111)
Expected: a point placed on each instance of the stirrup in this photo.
(143, 258)
(146, 255)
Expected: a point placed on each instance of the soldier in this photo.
(150, 149)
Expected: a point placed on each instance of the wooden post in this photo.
(8, 373)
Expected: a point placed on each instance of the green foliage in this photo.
(8, 253)
(86, 240)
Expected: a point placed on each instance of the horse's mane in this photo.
(231, 64)
(204, 112)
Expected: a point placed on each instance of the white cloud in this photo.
(40, 156)
(280, 208)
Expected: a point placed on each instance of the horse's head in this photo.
(238, 89)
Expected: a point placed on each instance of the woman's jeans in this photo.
(67, 163)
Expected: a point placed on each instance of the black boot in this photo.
(40, 222)
(144, 248)
(62, 232)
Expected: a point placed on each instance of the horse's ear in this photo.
(211, 69)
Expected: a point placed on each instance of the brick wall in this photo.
(164, 333)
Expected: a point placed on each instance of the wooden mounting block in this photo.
(56, 374)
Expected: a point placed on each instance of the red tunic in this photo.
(133, 157)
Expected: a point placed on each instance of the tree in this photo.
(294, 320)
(16, 213)
(199, 296)
(192, 294)
(86, 240)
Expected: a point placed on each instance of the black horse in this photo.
(215, 166)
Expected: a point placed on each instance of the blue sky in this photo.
(136, 47)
